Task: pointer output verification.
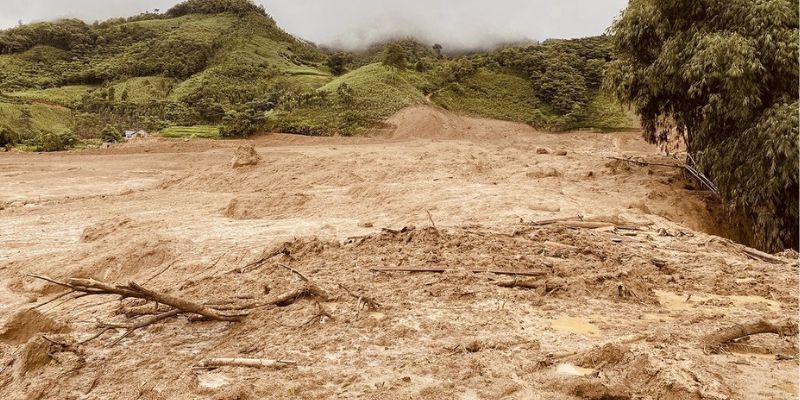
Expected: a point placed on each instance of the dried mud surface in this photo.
(616, 312)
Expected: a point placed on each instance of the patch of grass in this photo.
(377, 91)
(608, 115)
(490, 94)
(63, 96)
(45, 118)
(191, 132)
(142, 89)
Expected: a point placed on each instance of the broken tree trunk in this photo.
(476, 271)
(716, 341)
(761, 256)
(246, 362)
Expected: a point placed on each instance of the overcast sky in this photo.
(353, 23)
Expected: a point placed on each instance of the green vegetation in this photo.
(225, 63)
(491, 94)
(191, 132)
(723, 75)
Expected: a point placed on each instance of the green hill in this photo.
(226, 63)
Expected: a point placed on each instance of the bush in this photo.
(242, 123)
(56, 141)
(110, 134)
(8, 137)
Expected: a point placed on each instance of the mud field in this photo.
(445, 258)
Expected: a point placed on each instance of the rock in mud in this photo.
(542, 150)
(245, 155)
(561, 153)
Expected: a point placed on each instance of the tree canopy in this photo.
(724, 75)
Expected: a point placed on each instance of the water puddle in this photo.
(575, 325)
(573, 370)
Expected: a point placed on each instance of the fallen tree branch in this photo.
(761, 256)
(717, 341)
(525, 284)
(283, 300)
(476, 271)
(184, 305)
(294, 271)
(646, 163)
(548, 286)
(133, 290)
(139, 324)
(555, 220)
(246, 362)
(600, 224)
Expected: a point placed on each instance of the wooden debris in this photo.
(134, 290)
(283, 300)
(717, 341)
(247, 363)
(140, 324)
(363, 301)
(294, 271)
(761, 256)
(555, 220)
(647, 163)
(405, 229)
(476, 271)
(525, 284)
(430, 218)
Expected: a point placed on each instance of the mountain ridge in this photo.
(227, 63)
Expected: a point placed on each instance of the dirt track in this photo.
(618, 313)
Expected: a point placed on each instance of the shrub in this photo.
(242, 123)
(49, 141)
(110, 134)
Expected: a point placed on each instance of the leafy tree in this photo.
(437, 48)
(337, 62)
(395, 56)
(723, 74)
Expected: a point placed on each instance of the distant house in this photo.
(131, 134)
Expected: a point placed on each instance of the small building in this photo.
(131, 134)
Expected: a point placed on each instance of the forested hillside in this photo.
(225, 67)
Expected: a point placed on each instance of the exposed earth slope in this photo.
(617, 301)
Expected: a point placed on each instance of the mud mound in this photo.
(104, 228)
(26, 324)
(245, 155)
(434, 123)
(34, 355)
(267, 206)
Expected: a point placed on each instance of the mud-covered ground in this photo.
(616, 303)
